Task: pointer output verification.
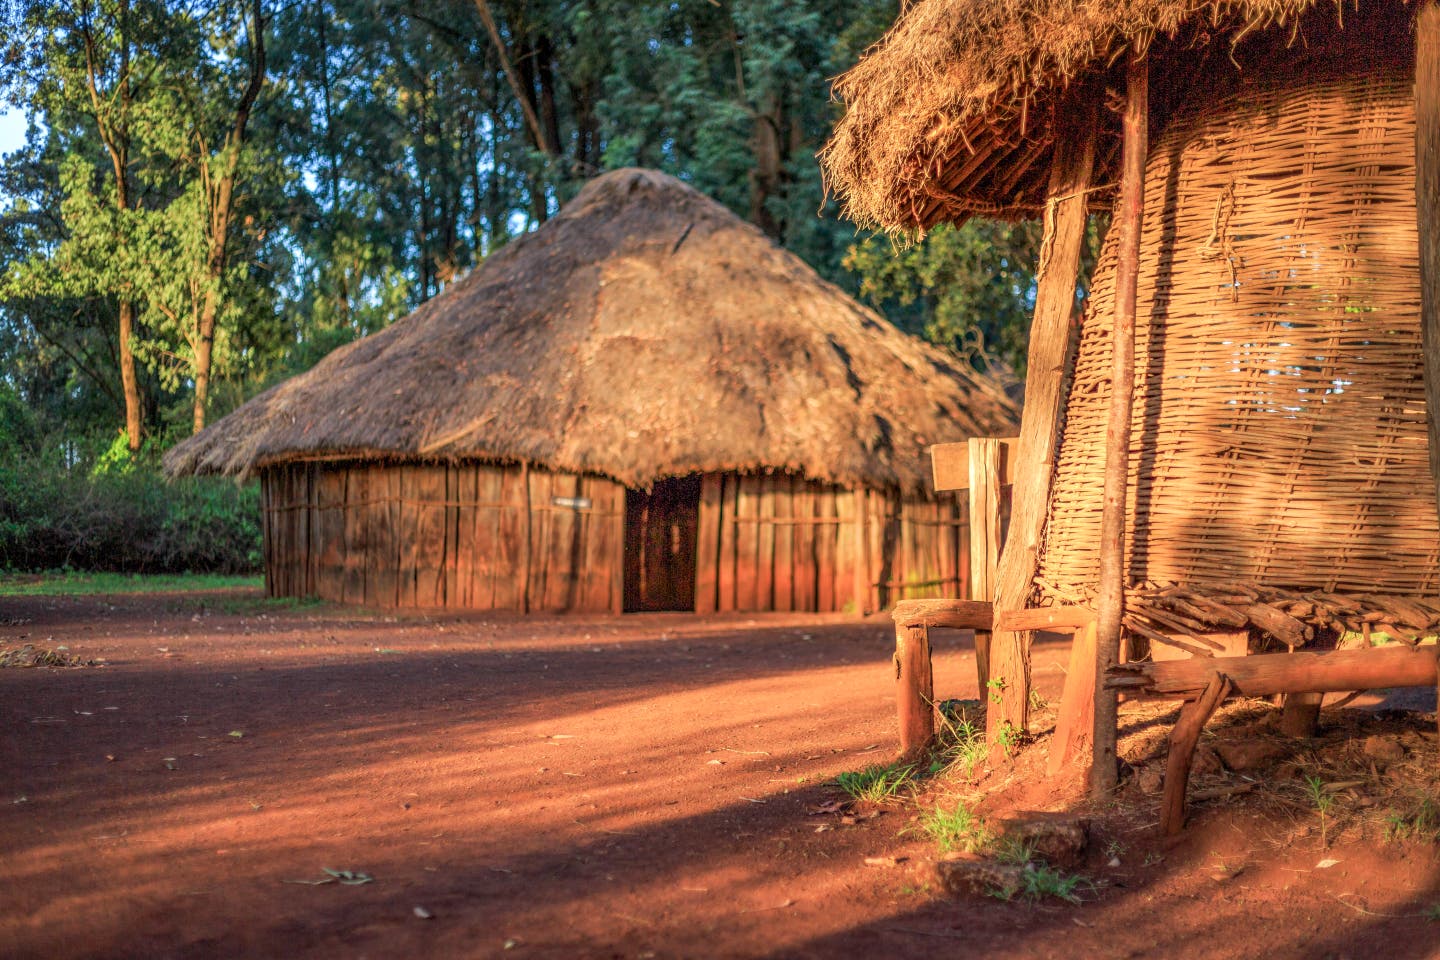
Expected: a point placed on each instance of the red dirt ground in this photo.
(602, 787)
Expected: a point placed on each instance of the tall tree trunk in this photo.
(128, 381)
(220, 193)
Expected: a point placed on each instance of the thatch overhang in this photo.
(644, 332)
(955, 111)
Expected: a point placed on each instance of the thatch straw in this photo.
(951, 113)
(644, 332)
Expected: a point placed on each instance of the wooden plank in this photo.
(566, 530)
(390, 544)
(312, 573)
(1231, 643)
(356, 490)
(847, 549)
(1075, 723)
(765, 544)
(782, 584)
(430, 536)
(330, 581)
(408, 531)
(1049, 357)
(1053, 619)
(825, 549)
(488, 542)
(467, 496)
(1110, 593)
(747, 544)
(866, 578)
(450, 582)
(950, 467)
(267, 527)
(806, 565)
(1427, 208)
(707, 550)
(726, 574)
(956, 614)
(509, 574)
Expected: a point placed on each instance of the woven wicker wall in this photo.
(1279, 433)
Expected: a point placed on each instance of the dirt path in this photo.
(540, 788)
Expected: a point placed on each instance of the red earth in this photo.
(642, 786)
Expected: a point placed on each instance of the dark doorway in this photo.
(660, 529)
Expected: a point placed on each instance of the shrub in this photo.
(121, 515)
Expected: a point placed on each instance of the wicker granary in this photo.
(1228, 453)
(642, 405)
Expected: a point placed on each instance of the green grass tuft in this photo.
(878, 783)
(956, 829)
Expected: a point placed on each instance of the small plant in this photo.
(1009, 849)
(1323, 801)
(963, 743)
(957, 829)
(1008, 738)
(996, 688)
(1420, 823)
(878, 783)
(1433, 914)
(1039, 881)
(1037, 702)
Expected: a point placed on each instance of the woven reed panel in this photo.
(1279, 430)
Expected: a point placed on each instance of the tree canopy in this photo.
(215, 193)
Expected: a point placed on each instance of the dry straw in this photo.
(644, 332)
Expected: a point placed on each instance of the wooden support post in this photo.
(1427, 208)
(1076, 722)
(1183, 740)
(1110, 596)
(984, 456)
(1049, 359)
(526, 557)
(914, 688)
(1300, 717)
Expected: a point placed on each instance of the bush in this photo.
(122, 515)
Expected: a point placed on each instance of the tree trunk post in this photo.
(1066, 215)
(1110, 597)
(1183, 740)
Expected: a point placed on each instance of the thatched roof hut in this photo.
(1267, 260)
(642, 335)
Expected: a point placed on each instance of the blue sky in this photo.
(12, 129)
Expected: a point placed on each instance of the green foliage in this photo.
(1038, 881)
(1417, 820)
(957, 828)
(72, 583)
(878, 783)
(1323, 801)
(121, 515)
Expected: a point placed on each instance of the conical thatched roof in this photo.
(643, 332)
(954, 112)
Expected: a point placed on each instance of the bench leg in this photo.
(1183, 740)
(914, 688)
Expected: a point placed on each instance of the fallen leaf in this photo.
(424, 914)
(237, 734)
(1326, 864)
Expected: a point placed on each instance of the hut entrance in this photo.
(660, 530)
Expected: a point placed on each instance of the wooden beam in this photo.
(1049, 359)
(1317, 671)
(950, 462)
(956, 614)
(1427, 208)
(1110, 594)
(1053, 619)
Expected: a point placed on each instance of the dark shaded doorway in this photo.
(660, 530)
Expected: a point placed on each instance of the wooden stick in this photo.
(525, 553)
(1050, 357)
(914, 688)
(1075, 723)
(1054, 619)
(1427, 207)
(1315, 671)
(1110, 595)
(1183, 740)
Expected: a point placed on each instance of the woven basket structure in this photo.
(1279, 433)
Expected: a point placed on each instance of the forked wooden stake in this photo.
(1183, 740)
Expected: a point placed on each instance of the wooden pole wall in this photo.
(1048, 359)
(1427, 208)
(984, 538)
(1110, 597)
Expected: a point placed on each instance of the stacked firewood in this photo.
(1182, 616)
